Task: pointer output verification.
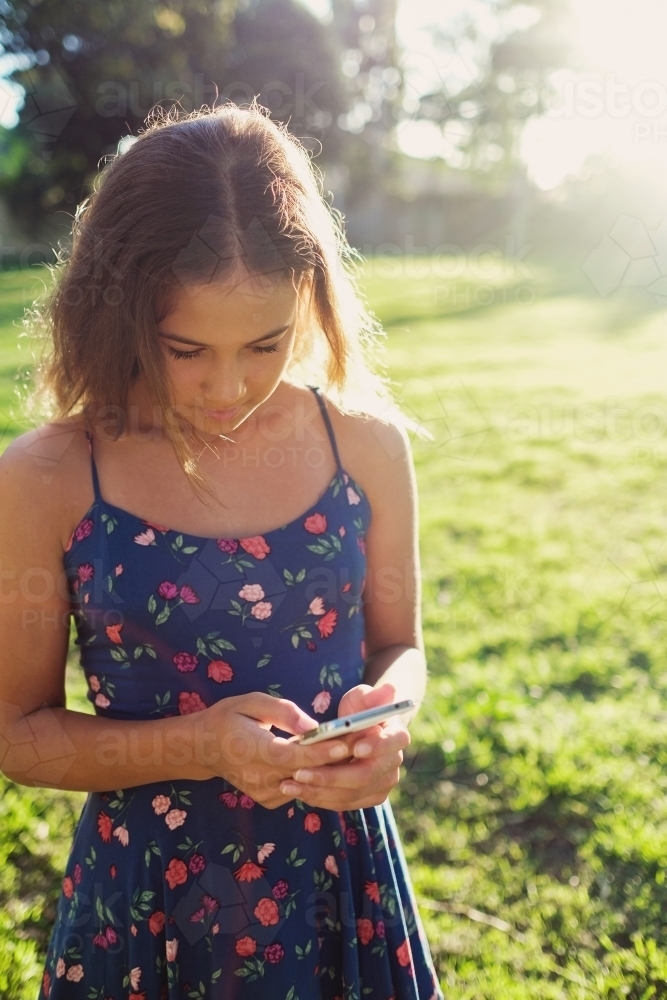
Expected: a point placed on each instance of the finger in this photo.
(356, 774)
(280, 712)
(364, 696)
(383, 739)
(345, 799)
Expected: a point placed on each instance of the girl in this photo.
(240, 559)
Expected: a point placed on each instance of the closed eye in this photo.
(185, 355)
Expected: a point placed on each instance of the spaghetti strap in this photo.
(96, 482)
(327, 422)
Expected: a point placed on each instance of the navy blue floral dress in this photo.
(180, 889)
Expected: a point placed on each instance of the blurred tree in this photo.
(92, 72)
(482, 117)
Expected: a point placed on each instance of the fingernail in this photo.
(362, 749)
(289, 788)
(338, 751)
(303, 774)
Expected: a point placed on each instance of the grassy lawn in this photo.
(533, 807)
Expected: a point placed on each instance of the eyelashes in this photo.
(186, 355)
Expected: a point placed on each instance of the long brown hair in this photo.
(191, 198)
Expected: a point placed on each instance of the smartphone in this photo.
(355, 722)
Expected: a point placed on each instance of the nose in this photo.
(224, 387)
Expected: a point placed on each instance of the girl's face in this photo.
(227, 346)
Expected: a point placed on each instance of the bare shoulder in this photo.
(375, 451)
(38, 470)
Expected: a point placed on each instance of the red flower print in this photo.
(197, 863)
(365, 929)
(403, 953)
(249, 871)
(255, 546)
(246, 946)
(311, 646)
(229, 799)
(327, 623)
(274, 953)
(77, 873)
(104, 825)
(267, 912)
(211, 904)
(46, 983)
(246, 802)
(379, 928)
(85, 572)
(101, 941)
(362, 545)
(151, 524)
(113, 871)
(167, 590)
(113, 631)
(280, 889)
(187, 595)
(345, 588)
(228, 545)
(156, 922)
(351, 836)
(185, 662)
(315, 524)
(371, 890)
(312, 822)
(189, 702)
(68, 887)
(110, 935)
(176, 873)
(219, 671)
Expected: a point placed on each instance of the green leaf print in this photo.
(152, 604)
(264, 660)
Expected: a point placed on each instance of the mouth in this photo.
(222, 414)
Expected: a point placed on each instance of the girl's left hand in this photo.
(367, 779)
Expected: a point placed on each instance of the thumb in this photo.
(280, 712)
(364, 696)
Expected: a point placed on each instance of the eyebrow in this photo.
(195, 343)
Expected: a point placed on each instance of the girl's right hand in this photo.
(233, 741)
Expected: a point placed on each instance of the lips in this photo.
(222, 414)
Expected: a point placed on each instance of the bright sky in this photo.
(619, 104)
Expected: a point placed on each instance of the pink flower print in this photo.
(158, 527)
(167, 590)
(246, 802)
(196, 864)
(123, 835)
(111, 935)
(85, 572)
(346, 478)
(172, 950)
(311, 646)
(60, 969)
(351, 836)
(274, 953)
(262, 610)
(211, 904)
(74, 973)
(102, 701)
(321, 702)
(94, 683)
(251, 592)
(119, 569)
(312, 822)
(255, 546)
(135, 976)
(330, 864)
(219, 671)
(133, 930)
(346, 587)
(185, 662)
(161, 804)
(264, 851)
(188, 595)
(189, 702)
(77, 873)
(363, 649)
(341, 531)
(352, 497)
(316, 606)
(146, 537)
(228, 545)
(100, 941)
(83, 529)
(316, 524)
(379, 928)
(280, 889)
(229, 799)
(362, 545)
(175, 817)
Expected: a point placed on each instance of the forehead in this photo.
(242, 297)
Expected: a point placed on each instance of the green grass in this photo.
(532, 808)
